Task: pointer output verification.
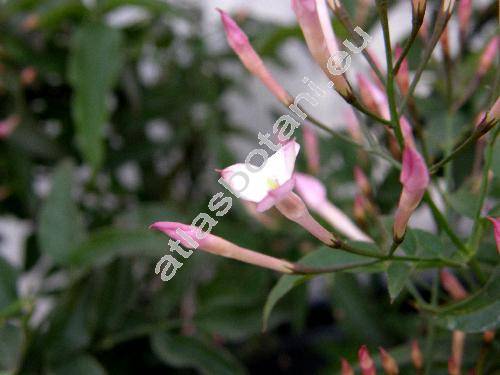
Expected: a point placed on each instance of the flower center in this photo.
(272, 183)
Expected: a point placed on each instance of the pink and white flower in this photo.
(272, 185)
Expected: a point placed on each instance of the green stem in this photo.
(409, 43)
(431, 327)
(346, 21)
(441, 22)
(473, 137)
(473, 242)
(354, 250)
(304, 270)
(382, 9)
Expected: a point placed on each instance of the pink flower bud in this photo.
(452, 285)
(416, 355)
(388, 362)
(366, 362)
(314, 21)
(8, 125)
(464, 13)
(457, 348)
(488, 56)
(453, 368)
(415, 179)
(402, 77)
(353, 126)
(362, 181)
(311, 148)
(219, 246)
(314, 194)
(496, 230)
(346, 367)
(28, 76)
(373, 98)
(238, 41)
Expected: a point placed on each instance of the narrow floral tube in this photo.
(415, 179)
(238, 41)
(313, 19)
(366, 362)
(311, 148)
(457, 348)
(496, 230)
(314, 194)
(192, 237)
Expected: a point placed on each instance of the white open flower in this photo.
(272, 185)
(268, 185)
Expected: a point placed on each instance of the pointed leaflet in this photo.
(95, 63)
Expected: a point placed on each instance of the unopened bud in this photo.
(416, 355)
(366, 362)
(362, 181)
(452, 285)
(388, 362)
(488, 337)
(488, 57)
(346, 367)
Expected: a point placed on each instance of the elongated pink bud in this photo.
(464, 13)
(8, 125)
(402, 77)
(416, 355)
(366, 362)
(353, 126)
(488, 57)
(362, 181)
(311, 148)
(294, 209)
(313, 192)
(457, 348)
(192, 237)
(373, 97)
(452, 285)
(238, 41)
(315, 24)
(491, 117)
(415, 179)
(346, 367)
(453, 368)
(445, 44)
(496, 230)
(388, 362)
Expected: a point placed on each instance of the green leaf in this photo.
(191, 352)
(428, 245)
(463, 201)
(397, 275)
(11, 342)
(106, 244)
(479, 312)
(61, 226)
(81, 365)
(95, 62)
(323, 257)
